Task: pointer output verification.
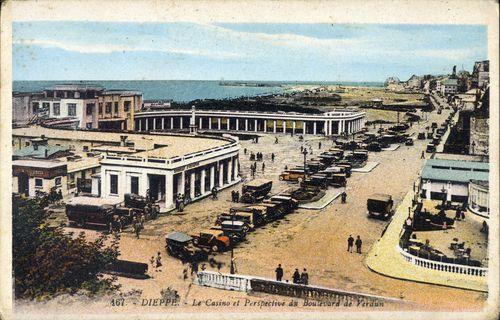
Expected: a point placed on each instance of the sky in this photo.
(48, 50)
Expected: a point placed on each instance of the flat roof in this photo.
(93, 201)
(168, 145)
(455, 170)
(48, 164)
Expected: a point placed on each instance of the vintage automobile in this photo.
(317, 180)
(272, 211)
(399, 127)
(255, 190)
(421, 136)
(289, 203)
(292, 175)
(212, 240)
(430, 135)
(251, 216)
(328, 158)
(181, 245)
(338, 180)
(314, 166)
(336, 152)
(409, 142)
(373, 146)
(91, 210)
(235, 230)
(380, 206)
(434, 125)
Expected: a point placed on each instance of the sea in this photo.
(188, 90)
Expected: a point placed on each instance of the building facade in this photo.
(30, 176)
(328, 123)
(117, 108)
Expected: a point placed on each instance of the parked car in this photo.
(421, 136)
(430, 135)
(252, 217)
(409, 142)
(289, 203)
(255, 190)
(91, 210)
(212, 240)
(380, 206)
(430, 148)
(292, 175)
(317, 180)
(374, 146)
(181, 245)
(338, 180)
(234, 229)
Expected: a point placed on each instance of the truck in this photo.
(91, 210)
(379, 206)
(255, 190)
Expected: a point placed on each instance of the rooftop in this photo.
(42, 152)
(123, 93)
(165, 145)
(450, 82)
(38, 163)
(456, 171)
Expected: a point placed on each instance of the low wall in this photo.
(442, 266)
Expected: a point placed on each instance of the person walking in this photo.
(343, 197)
(152, 262)
(296, 276)
(358, 244)
(245, 151)
(158, 261)
(350, 243)
(304, 277)
(214, 193)
(272, 157)
(319, 145)
(279, 273)
(276, 140)
(263, 166)
(423, 155)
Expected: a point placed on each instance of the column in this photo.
(314, 127)
(192, 184)
(169, 189)
(140, 124)
(171, 123)
(339, 127)
(203, 178)
(303, 127)
(265, 125)
(237, 124)
(349, 127)
(230, 170)
(246, 124)
(212, 176)
(235, 168)
(325, 126)
(163, 123)
(209, 123)
(293, 127)
(181, 183)
(221, 174)
(284, 126)
(147, 124)
(200, 121)
(218, 123)
(274, 126)
(154, 123)
(255, 125)
(181, 123)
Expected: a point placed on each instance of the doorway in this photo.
(156, 186)
(23, 184)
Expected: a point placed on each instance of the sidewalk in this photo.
(330, 195)
(385, 259)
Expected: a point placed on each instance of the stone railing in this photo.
(443, 266)
(255, 284)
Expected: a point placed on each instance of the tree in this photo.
(47, 261)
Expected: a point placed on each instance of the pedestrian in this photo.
(423, 155)
(350, 243)
(142, 219)
(257, 139)
(158, 261)
(120, 224)
(184, 274)
(137, 228)
(272, 157)
(214, 193)
(245, 151)
(319, 145)
(111, 225)
(237, 196)
(194, 268)
(304, 277)
(286, 167)
(263, 166)
(343, 197)
(219, 266)
(358, 244)
(301, 148)
(279, 273)
(463, 214)
(232, 195)
(276, 140)
(296, 276)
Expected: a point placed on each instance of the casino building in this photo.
(328, 123)
(159, 164)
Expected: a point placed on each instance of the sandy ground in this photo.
(315, 240)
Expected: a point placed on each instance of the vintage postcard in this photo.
(249, 159)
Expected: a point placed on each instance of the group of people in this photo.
(351, 243)
(297, 278)
(258, 156)
(136, 217)
(235, 196)
(156, 262)
(180, 202)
